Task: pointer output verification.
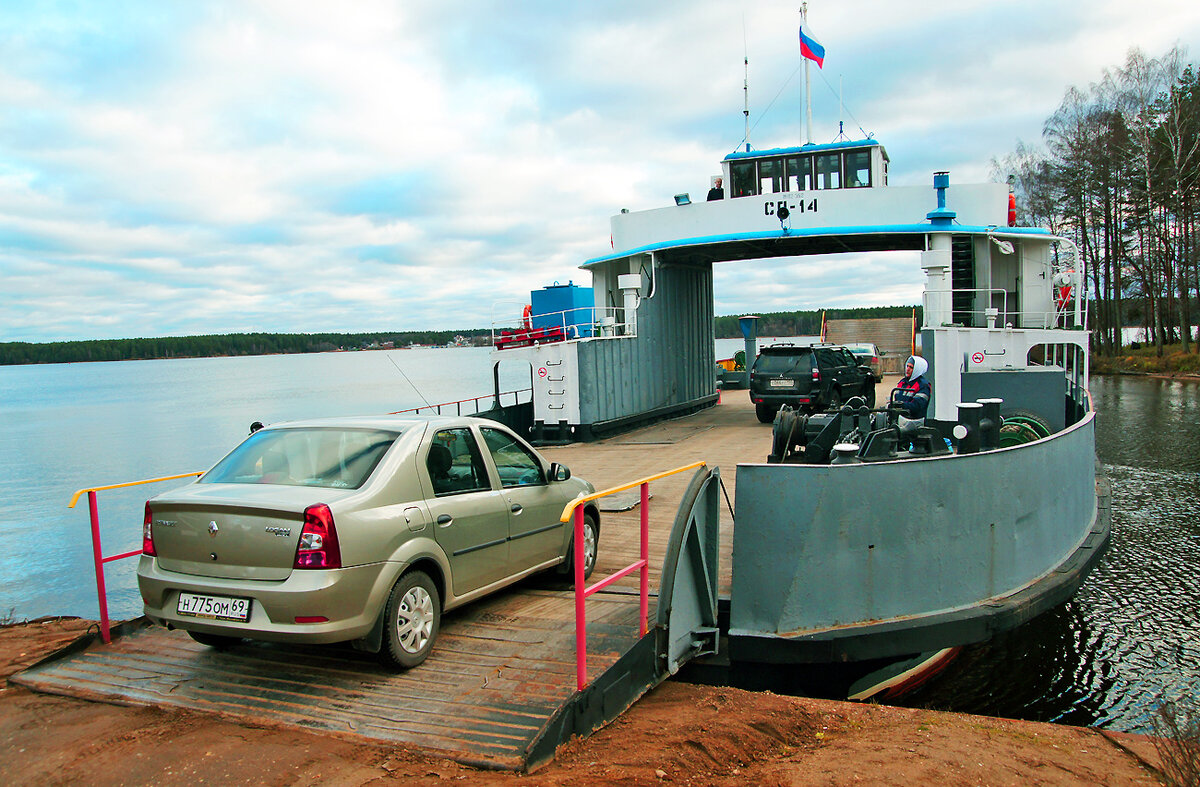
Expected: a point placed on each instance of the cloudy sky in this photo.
(274, 165)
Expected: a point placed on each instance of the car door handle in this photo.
(516, 508)
(445, 519)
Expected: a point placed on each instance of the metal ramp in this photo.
(498, 691)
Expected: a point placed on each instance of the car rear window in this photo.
(784, 363)
(335, 458)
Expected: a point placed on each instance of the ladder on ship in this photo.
(962, 277)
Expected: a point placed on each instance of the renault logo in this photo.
(212, 528)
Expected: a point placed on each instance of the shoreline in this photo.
(678, 733)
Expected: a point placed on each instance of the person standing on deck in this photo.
(911, 395)
(717, 191)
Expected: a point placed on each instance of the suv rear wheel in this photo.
(765, 412)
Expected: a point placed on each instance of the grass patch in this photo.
(1177, 740)
(1144, 360)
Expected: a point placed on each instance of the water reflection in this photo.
(1131, 637)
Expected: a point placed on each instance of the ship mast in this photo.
(746, 83)
(807, 82)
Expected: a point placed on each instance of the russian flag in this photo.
(811, 48)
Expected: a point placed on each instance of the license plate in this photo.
(214, 607)
(782, 383)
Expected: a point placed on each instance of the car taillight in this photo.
(148, 534)
(816, 378)
(318, 547)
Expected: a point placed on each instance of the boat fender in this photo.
(1012, 209)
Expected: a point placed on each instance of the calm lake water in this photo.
(1129, 640)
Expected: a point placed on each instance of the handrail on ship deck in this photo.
(643, 564)
(97, 553)
(475, 400)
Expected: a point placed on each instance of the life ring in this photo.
(1062, 289)
(527, 317)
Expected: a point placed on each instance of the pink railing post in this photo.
(98, 556)
(580, 607)
(642, 565)
(645, 586)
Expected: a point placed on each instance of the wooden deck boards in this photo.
(500, 670)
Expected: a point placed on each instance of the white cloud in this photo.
(284, 166)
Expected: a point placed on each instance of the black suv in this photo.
(812, 378)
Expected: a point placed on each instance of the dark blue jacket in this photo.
(913, 396)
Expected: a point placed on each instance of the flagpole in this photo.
(807, 81)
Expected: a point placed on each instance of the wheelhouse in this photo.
(837, 165)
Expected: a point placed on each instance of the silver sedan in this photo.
(356, 529)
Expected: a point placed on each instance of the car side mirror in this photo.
(559, 472)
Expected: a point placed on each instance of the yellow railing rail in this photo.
(566, 514)
(98, 553)
(80, 493)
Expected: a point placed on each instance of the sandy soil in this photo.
(679, 734)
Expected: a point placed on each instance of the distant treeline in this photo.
(217, 345)
(799, 323)
(808, 323)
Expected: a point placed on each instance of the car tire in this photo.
(835, 399)
(411, 619)
(215, 641)
(765, 413)
(869, 393)
(591, 546)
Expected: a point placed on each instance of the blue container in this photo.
(566, 306)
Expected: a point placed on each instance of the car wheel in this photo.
(765, 413)
(869, 393)
(217, 641)
(835, 399)
(591, 540)
(411, 619)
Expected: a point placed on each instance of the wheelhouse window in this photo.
(745, 180)
(799, 173)
(770, 175)
(858, 169)
(324, 457)
(829, 170)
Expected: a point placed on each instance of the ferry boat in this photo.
(850, 549)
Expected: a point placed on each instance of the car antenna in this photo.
(410, 382)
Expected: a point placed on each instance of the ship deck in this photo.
(500, 683)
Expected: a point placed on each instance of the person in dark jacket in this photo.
(911, 395)
(717, 191)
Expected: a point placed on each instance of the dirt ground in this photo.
(678, 734)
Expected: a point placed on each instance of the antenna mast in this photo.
(746, 82)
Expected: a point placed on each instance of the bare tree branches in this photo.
(1121, 174)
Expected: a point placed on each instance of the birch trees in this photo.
(1120, 174)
